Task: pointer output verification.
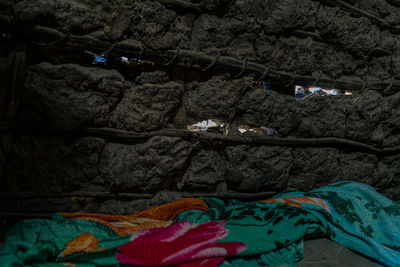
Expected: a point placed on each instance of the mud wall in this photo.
(108, 138)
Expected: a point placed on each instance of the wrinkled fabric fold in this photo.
(349, 213)
(214, 232)
(180, 243)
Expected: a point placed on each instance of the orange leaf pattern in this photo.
(297, 201)
(82, 243)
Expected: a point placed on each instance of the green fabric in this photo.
(358, 218)
(38, 242)
(262, 227)
(354, 215)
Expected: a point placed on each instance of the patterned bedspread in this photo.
(213, 232)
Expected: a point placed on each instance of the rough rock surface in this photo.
(338, 42)
(108, 19)
(260, 107)
(5, 150)
(167, 163)
(70, 95)
(45, 164)
(258, 168)
(4, 66)
(216, 98)
(390, 120)
(313, 168)
(152, 77)
(146, 107)
(205, 172)
(355, 118)
(389, 174)
(148, 167)
(304, 36)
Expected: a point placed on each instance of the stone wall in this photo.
(42, 172)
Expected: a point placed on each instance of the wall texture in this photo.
(151, 157)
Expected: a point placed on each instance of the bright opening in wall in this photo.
(129, 59)
(97, 59)
(303, 92)
(217, 126)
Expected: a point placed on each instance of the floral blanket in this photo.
(213, 232)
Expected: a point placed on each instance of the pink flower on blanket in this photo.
(181, 244)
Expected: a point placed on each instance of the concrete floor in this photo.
(326, 253)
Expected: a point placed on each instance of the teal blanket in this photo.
(38, 242)
(350, 213)
(264, 233)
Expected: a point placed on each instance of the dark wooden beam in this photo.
(394, 2)
(182, 5)
(132, 196)
(198, 60)
(129, 137)
(383, 24)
